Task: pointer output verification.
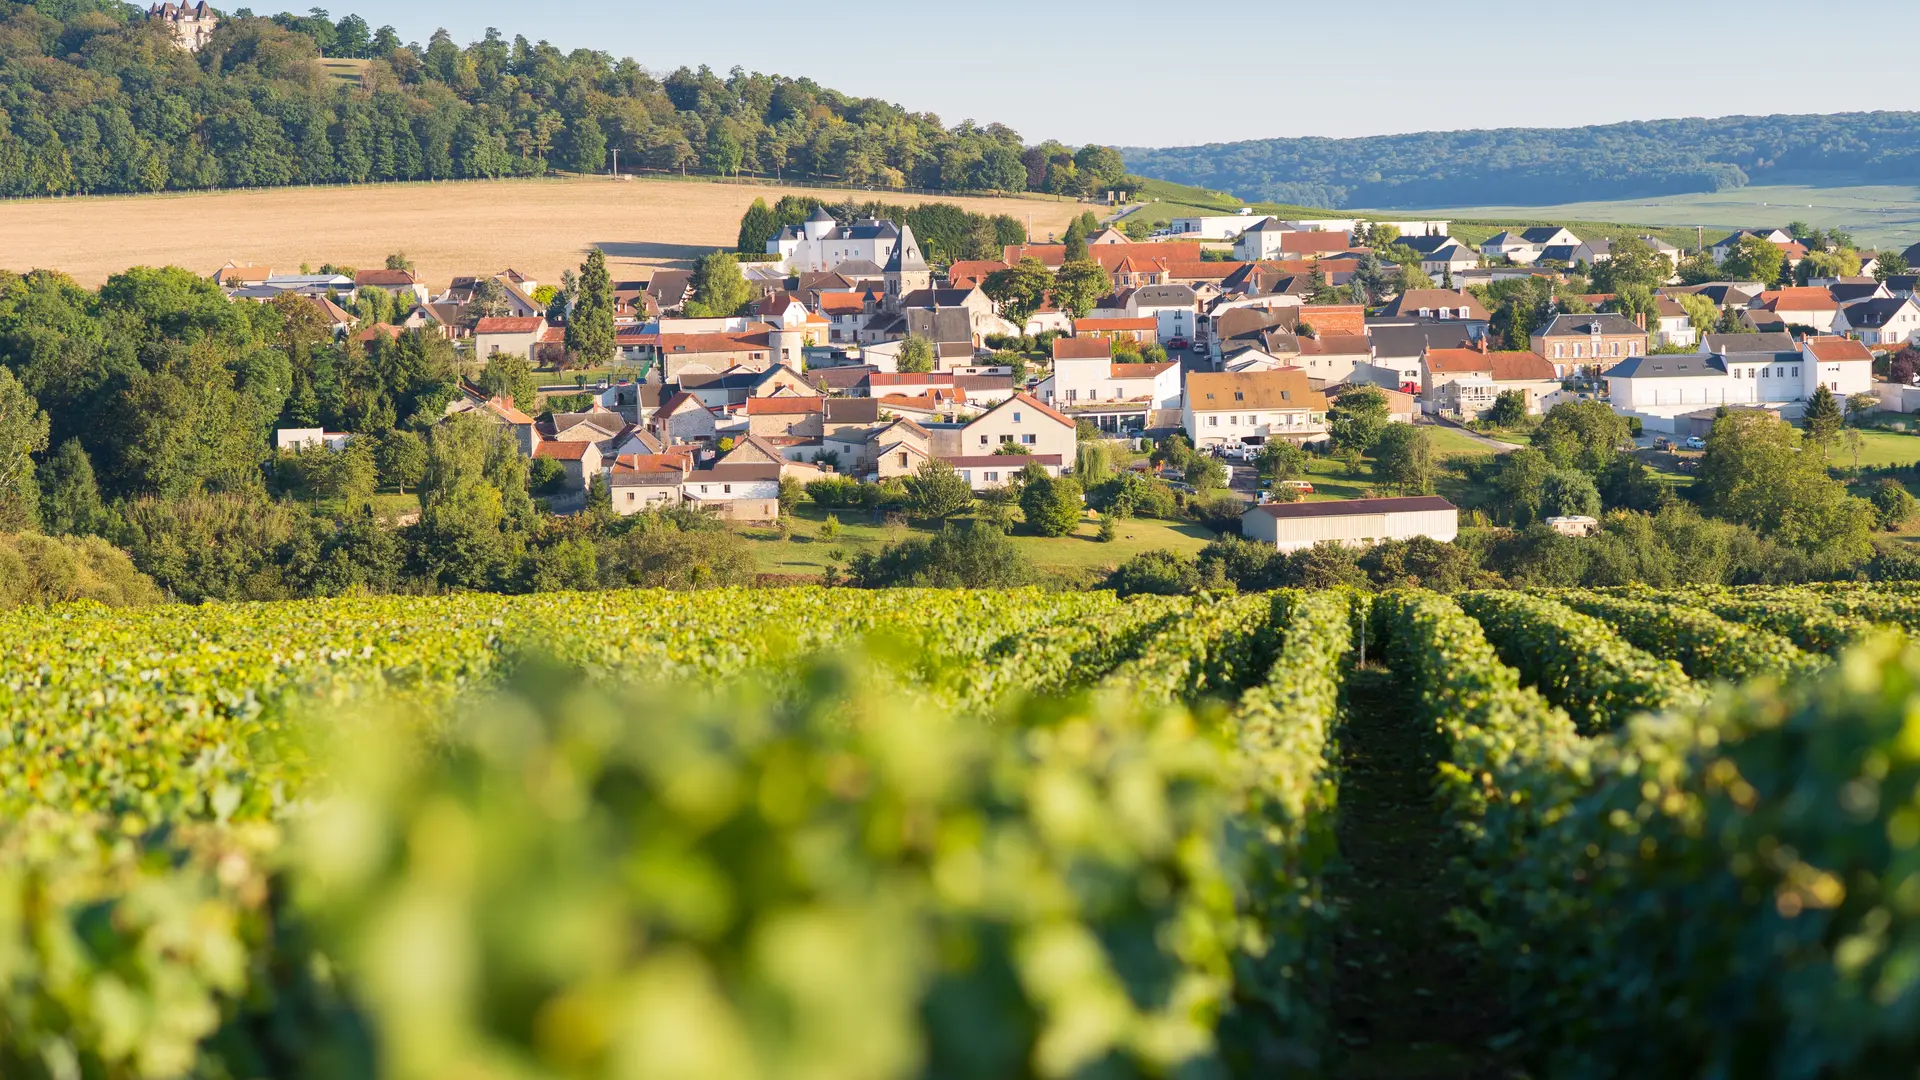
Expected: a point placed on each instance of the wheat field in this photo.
(538, 227)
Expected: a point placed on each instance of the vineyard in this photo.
(812, 833)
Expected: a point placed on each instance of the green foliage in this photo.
(1156, 573)
(1019, 289)
(1822, 418)
(719, 289)
(1755, 474)
(1079, 284)
(916, 355)
(976, 556)
(1584, 435)
(1753, 259)
(1052, 505)
(1893, 504)
(1357, 418)
(589, 333)
(36, 571)
(936, 491)
(70, 497)
(1403, 459)
(509, 376)
(1509, 408)
(1705, 645)
(1280, 459)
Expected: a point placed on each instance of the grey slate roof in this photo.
(906, 257)
(1409, 339)
(1667, 366)
(1875, 311)
(1567, 324)
(1749, 343)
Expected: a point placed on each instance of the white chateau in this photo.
(823, 244)
(192, 26)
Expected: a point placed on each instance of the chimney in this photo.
(1640, 320)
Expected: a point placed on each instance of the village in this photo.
(855, 355)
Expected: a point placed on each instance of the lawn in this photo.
(1080, 556)
(1878, 449)
(1449, 441)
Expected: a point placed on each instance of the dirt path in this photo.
(1412, 998)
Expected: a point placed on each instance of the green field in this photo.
(1880, 216)
(1878, 449)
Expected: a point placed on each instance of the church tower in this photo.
(906, 270)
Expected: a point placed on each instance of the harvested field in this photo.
(539, 227)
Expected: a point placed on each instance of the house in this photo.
(986, 472)
(191, 25)
(1763, 370)
(1726, 295)
(1086, 380)
(1427, 244)
(1260, 241)
(1215, 226)
(1352, 522)
(1528, 245)
(1463, 383)
(682, 418)
(1660, 247)
(1672, 326)
(1848, 290)
(1228, 408)
(1173, 308)
(1902, 284)
(1136, 330)
(1724, 247)
(515, 336)
(1884, 320)
(580, 459)
(497, 411)
(642, 482)
(1573, 342)
(294, 440)
(1442, 304)
(1811, 307)
(1330, 359)
(401, 283)
(1449, 260)
(822, 243)
(1022, 421)
(1395, 347)
(742, 493)
(235, 276)
(679, 354)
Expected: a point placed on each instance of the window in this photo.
(1016, 417)
(1633, 348)
(1576, 351)
(1029, 439)
(1557, 353)
(630, 496)
(903, 459)
(703, 489)
(1239, 396)
(983, 440)
(726, 489)
(993, 477)
(1213, 421)
(1073, 395)
(1006, 439)
(1233, 421)
(1796, 372)
(1613, 349)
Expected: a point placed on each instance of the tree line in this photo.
(1543, 166)
(95, 98)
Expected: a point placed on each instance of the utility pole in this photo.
(616, 163)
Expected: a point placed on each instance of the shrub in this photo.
(1156, 573)
(38, 570)
(1219, 511)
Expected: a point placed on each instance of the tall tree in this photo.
(1822, 418)
(1019, 289)
(23, 433)
(936, 491)
(916, 355)
(69, 495)
(1079, 285)
(1754, 259)
(1356, 419)
(719, 289)
(1403, 459)
(509, 375)
(590, 334)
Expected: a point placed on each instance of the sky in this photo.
(1164, 73)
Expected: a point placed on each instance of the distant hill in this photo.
(1544, 166)
(97, 98)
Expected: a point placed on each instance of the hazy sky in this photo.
(1164, 73)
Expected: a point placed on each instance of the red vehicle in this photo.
(1177, 343)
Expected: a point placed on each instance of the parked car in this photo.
(1301, 486)
(1199, 346)
(1695, 442)
(1661, 442)
(1178, 343)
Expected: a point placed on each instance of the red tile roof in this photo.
(1335, 318)
(1140, 371)
(565, 451)
(1109, 325)
(1799, 299)
(1033, 402)
(1836, 349)
(508, 324)
(785, 406)
(389, 279)
(707, 343)
(1082, 348)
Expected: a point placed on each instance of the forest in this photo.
(96, 99)
(1546, 166)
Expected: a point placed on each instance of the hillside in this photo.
(1545, 166)
(94, 98)
(537, 226)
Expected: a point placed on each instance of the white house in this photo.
(1084, 376)
(1216, 227)
(1448, 260)
(738, 492)
(1352, 522)
(822, 243)
(1887, 320)
(990, 471)
(1662, 388)
(508, 334)
(1248, 408)
(1174, 307)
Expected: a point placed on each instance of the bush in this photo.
(1132, 494)
(976, 556)
(1156, 573)
(674, 549)
(836, 491)
(1219, 511)
(38, 570)
(1052, 504)
(1893, 504)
